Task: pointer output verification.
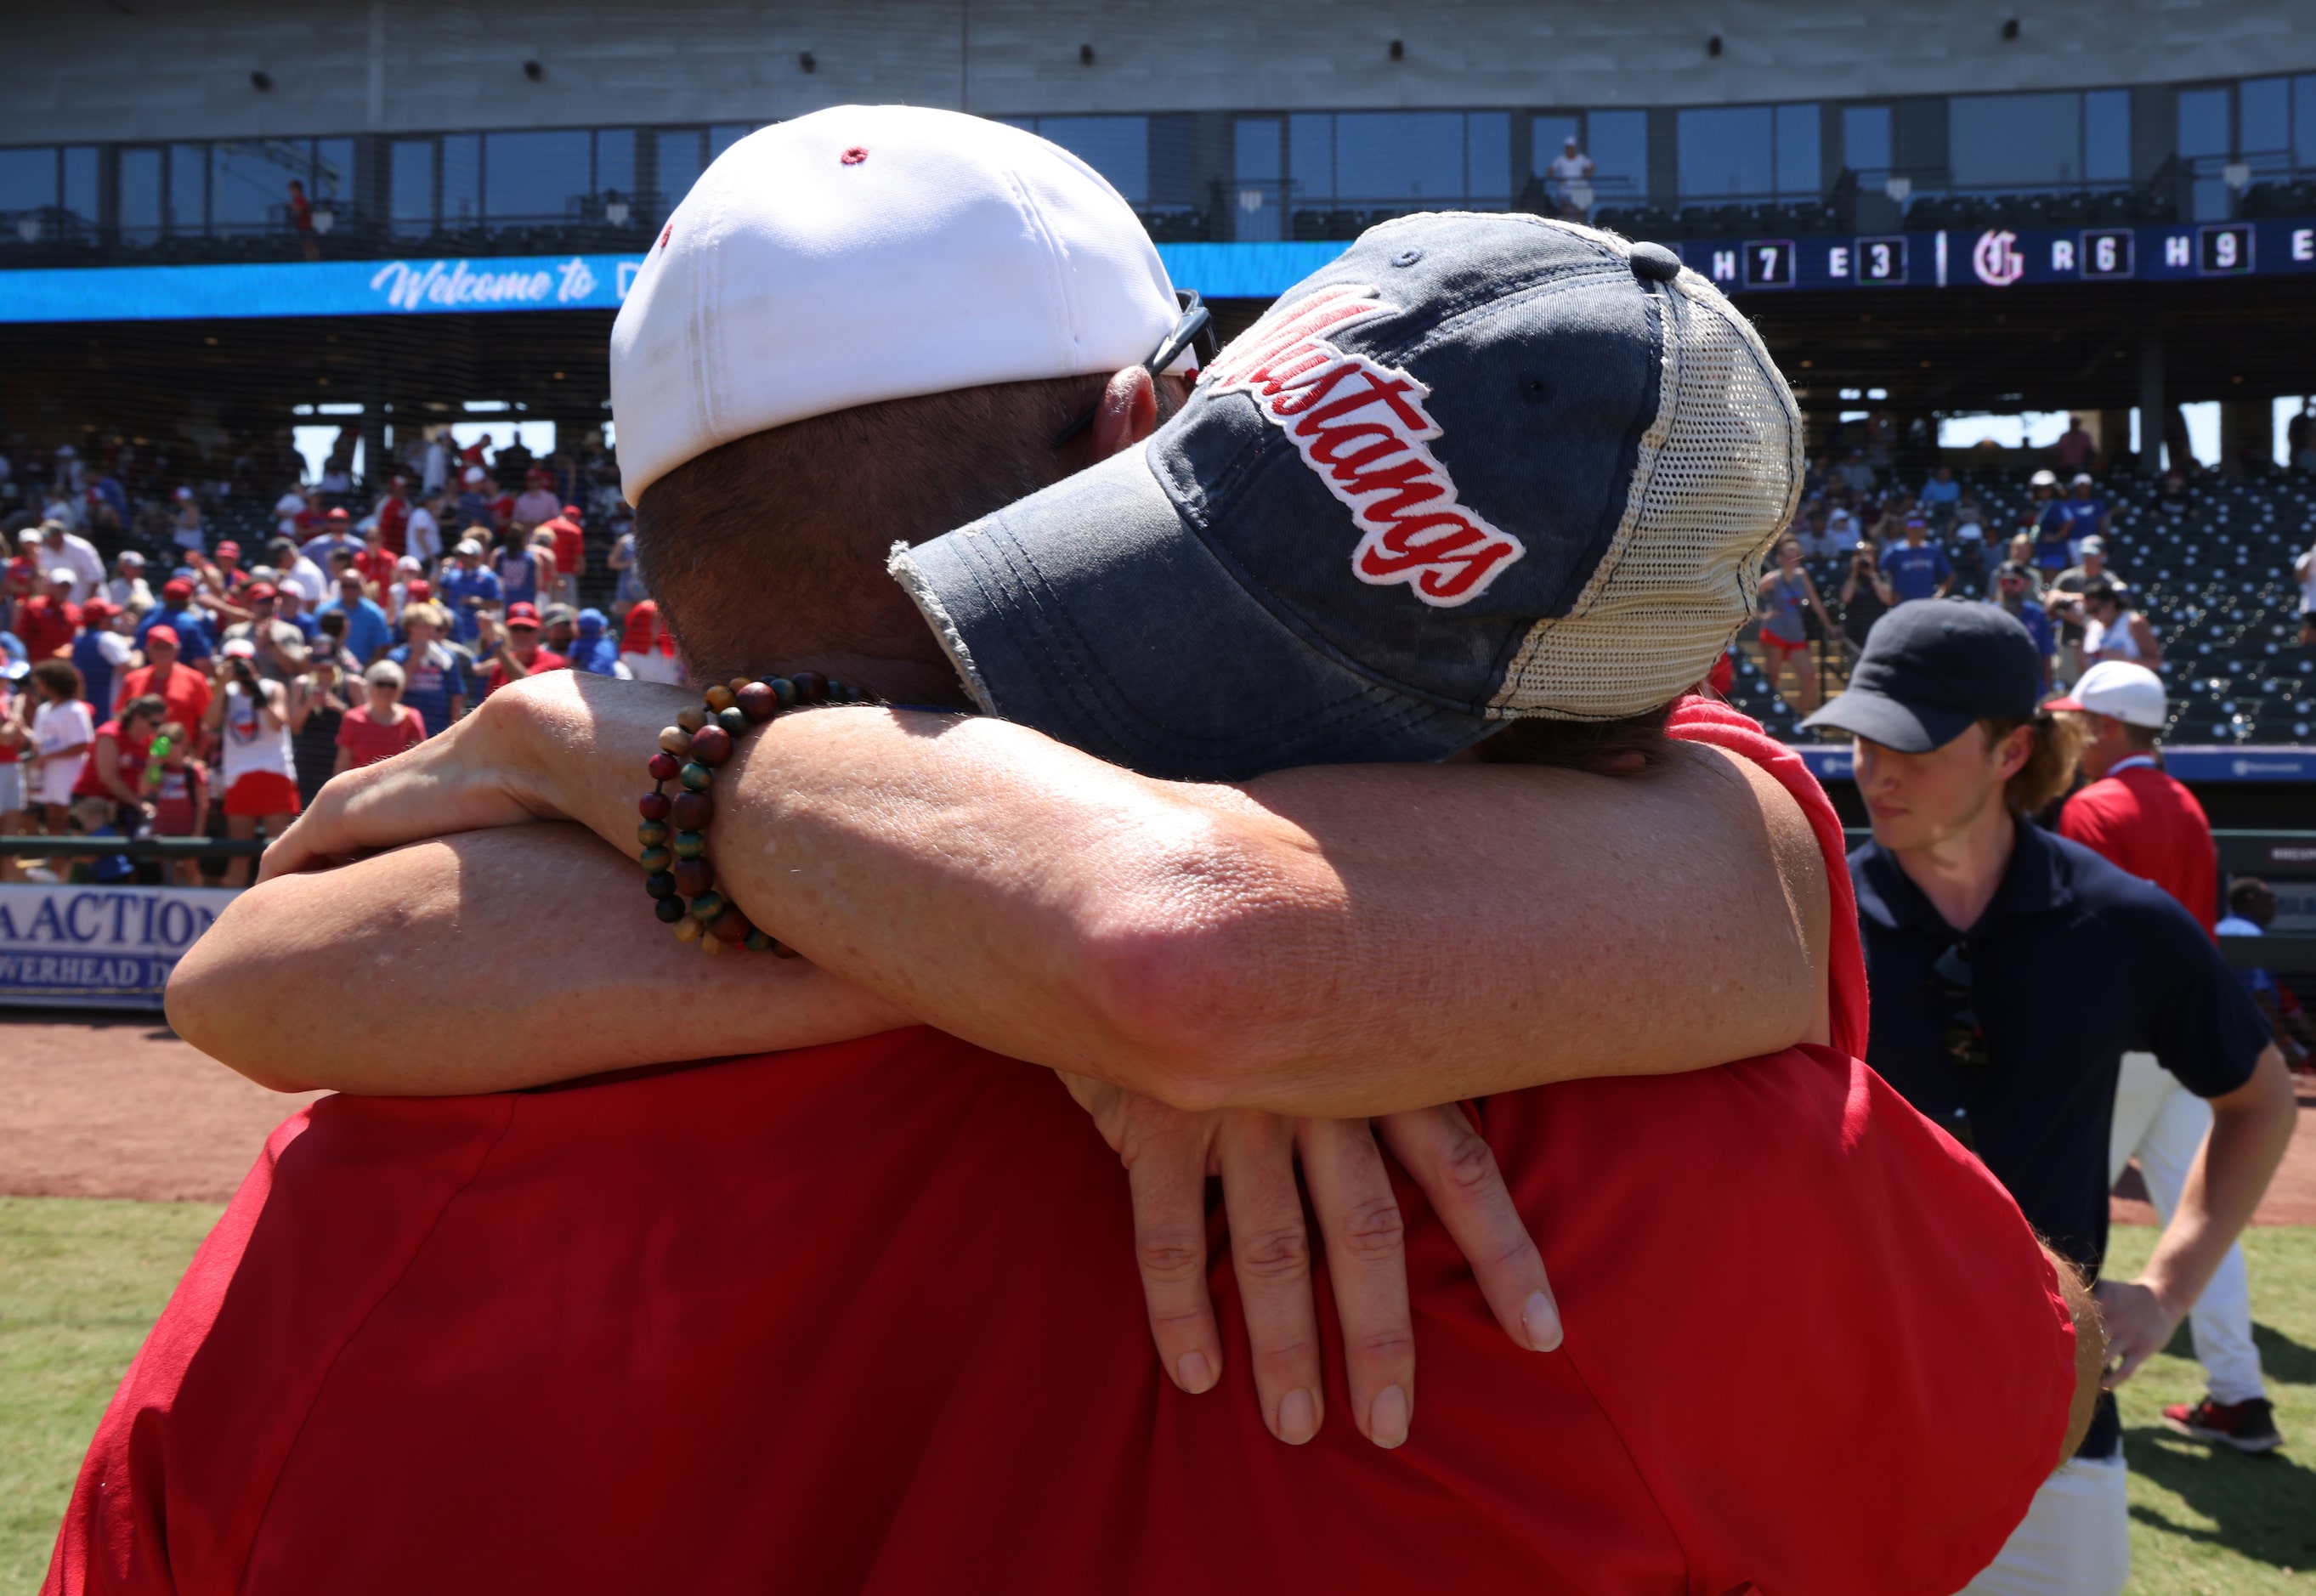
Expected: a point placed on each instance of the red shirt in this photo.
(570, 545)
(2143, 821)
(393, 518)
(866, 1317)
(46, 626)
(176, 798)
(369, 741)
(132, 764)
(546, 659)
(186, 692)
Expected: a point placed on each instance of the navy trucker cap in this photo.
(1479, 467)
(1933, 668)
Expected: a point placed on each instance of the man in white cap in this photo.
(2144, 821)
(63, 547)
(923, 1425)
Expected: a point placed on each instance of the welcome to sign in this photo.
(98, 947)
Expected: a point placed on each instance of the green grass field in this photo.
(81, 1280)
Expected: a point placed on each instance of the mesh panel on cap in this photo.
(1716, 480)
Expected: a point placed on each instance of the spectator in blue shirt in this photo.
(337, 534)
(195, 639)
(590, 650)
(1941, 493)
(2014, 588)
(368, 633)
(290, 605)
(1918, 569)
(2251, 905)
(468, 589)
(434, 678)
(2065, 522)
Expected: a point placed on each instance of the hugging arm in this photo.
(1328, 944)
(1350, 940)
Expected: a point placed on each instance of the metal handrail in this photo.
(43, 847)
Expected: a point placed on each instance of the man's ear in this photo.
(1128, 414)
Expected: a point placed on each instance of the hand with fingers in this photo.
(1169, 1153)
(2139, 1324)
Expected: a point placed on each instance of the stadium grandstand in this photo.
(242, 256)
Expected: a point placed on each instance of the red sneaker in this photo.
(2247, 1426)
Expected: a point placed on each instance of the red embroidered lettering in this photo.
(1363, 429)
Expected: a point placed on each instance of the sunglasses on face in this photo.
(1965, 1038)
(1194, 325)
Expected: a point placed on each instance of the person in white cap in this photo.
(2090, 567)
(2143, 820)
(799, 535)
(1017, 302)
(63, 547)
(127, 588)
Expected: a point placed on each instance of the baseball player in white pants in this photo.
(2162, 1124)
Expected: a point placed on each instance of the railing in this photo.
(46, 847)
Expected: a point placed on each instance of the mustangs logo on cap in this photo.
(1363, 429)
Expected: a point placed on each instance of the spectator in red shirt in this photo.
(115, 768)
(2143, 820)
(537, 506)
(183, 689)
(394, 516)
(46, 624)
(2132, 813)
(570, 553)
(382, 728)
(301, 220)
(178, 788)
(520, 653)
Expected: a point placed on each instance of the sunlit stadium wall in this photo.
(408, 119)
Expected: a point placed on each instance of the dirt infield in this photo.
(115, 1105)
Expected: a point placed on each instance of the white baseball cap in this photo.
(867, 253)
(2133, 694)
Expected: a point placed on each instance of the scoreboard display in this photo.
(1996, 257)
(1999, 257)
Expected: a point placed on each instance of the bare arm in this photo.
(2250, 1128)
(1345, 941)
(371, 967)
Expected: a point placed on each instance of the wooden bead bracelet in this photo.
(673, 833)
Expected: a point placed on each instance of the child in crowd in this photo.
(178, 787)
(94, 817)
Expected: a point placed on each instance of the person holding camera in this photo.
(1866, 595)
(329, 675)
(251, 722)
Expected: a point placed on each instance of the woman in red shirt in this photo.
(381, 728)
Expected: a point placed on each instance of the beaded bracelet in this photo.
(674, 826)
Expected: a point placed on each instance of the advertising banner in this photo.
(98, 947)
(1995, 257)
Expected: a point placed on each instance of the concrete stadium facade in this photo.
(177, 69)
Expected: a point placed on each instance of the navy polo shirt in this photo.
(2073, 964)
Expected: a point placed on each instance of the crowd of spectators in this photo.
(208, 688)
(1863, 541)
